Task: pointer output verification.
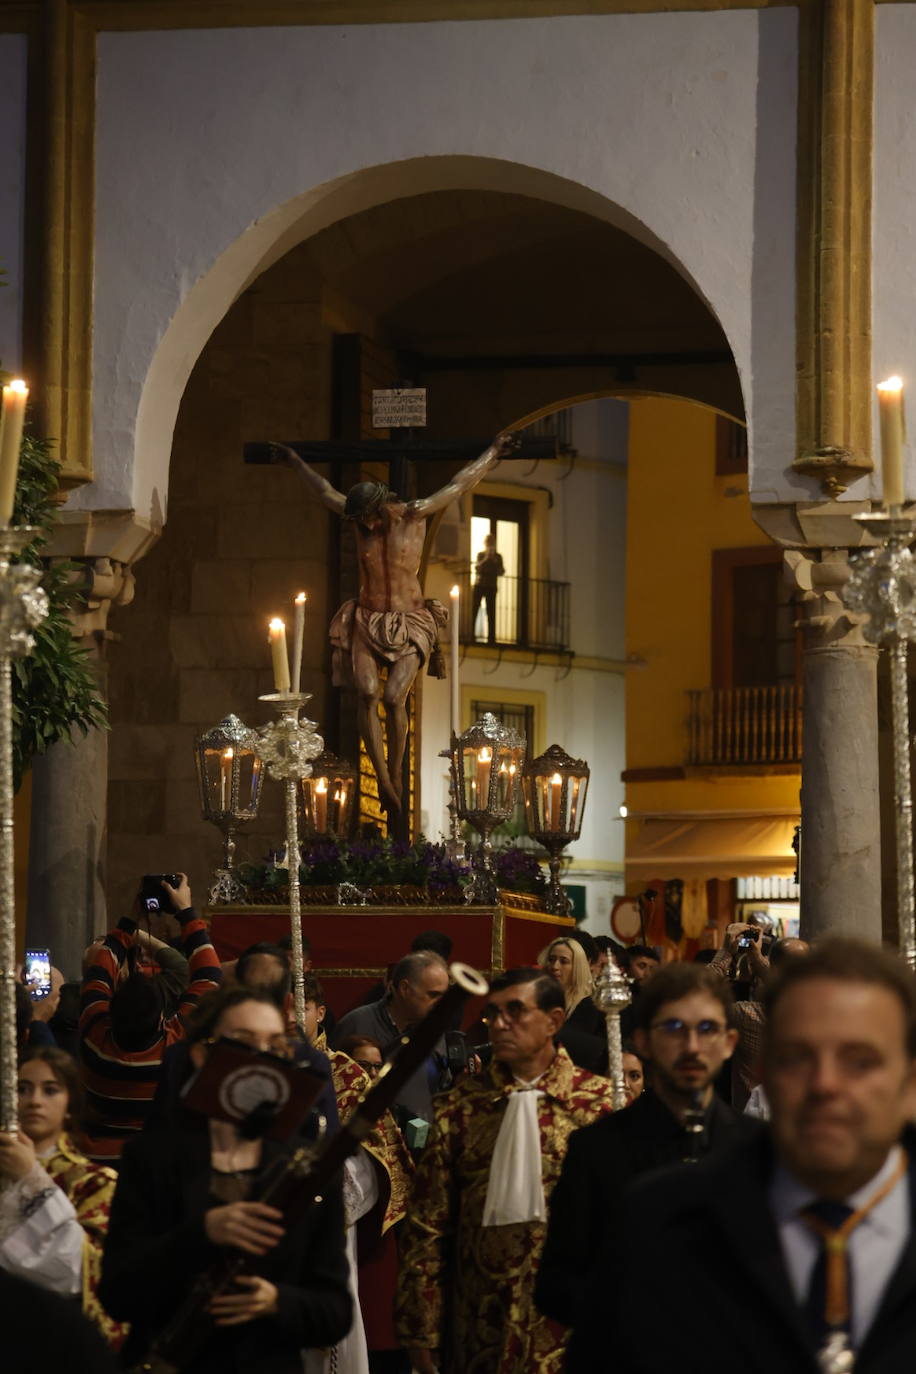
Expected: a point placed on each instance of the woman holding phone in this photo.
(54, 1209)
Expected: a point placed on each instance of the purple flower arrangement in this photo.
(375, 861)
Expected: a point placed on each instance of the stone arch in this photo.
(274, 234)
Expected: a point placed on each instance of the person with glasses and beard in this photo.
(794, 1251)
(477, 1215)
(683, 1035)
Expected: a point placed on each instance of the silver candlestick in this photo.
(455, 846)
(287, 747)
(883, 587)
(23, 606)
(612, 995)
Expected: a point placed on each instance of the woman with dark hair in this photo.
(188, 1195)
(54, 1209)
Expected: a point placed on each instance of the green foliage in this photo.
(54, 688)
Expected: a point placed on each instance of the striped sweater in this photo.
(120, 1084)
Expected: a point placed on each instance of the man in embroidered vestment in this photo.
(477, 1217)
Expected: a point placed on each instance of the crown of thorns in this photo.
(365, 499)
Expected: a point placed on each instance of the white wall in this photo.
(13, 54)
(894, 212)
(217, 150)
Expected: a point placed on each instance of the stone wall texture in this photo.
(240, 541)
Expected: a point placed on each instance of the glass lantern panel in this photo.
(578, 789)
(505, 783)
(530, 797)
(218, 776)
(468, 779)
(255, 789)
(340, 804)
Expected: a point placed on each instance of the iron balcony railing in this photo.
(757, 725)
(530, 613)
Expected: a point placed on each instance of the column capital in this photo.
(102, 583)
(820, 575)
(104, 545)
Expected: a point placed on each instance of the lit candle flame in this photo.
(19, 386)
(892, 384)
(301, 599)
(321, 785)
(228, 753)
(484, 755)
(277, 624)
(455, 592)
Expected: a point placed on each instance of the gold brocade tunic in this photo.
(90, 1188)
(384, 1142)
(465, 1289)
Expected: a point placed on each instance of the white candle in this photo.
(12, 419)
(455, 702)
(277, 641)
(298, 638)
(890, 410)
(321, 805)
(484, 764)
(556, 782)
(225, 779)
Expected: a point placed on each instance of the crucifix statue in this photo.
(390, 625)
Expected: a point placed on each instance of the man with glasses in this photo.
(684, 1035)
(477, 1217)
(794, 1252)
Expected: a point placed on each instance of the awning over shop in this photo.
(709, 846)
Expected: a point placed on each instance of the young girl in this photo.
(54, 1211)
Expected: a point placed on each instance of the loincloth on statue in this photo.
(389, 634)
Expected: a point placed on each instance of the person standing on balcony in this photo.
(489, 569)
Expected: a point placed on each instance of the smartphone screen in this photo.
(36, 973)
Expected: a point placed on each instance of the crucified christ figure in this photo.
(390, 625)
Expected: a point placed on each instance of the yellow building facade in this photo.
(692, 814)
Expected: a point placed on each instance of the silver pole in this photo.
(882, 587)
(287, 747)
(612, 995)
(23, 606)
(903, 797)
(295, 909)
(9, 1098)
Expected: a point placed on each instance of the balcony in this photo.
(745, 725)
(531, 613)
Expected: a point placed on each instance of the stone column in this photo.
(68, 836)
(840, 827)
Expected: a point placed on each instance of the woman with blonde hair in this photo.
(565, 960)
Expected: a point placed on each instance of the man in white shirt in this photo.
(795, 1253)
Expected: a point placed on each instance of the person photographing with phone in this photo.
(128, 1016)
(762, 954)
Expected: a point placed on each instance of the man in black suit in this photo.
(684, 1035)
(795, 1252)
